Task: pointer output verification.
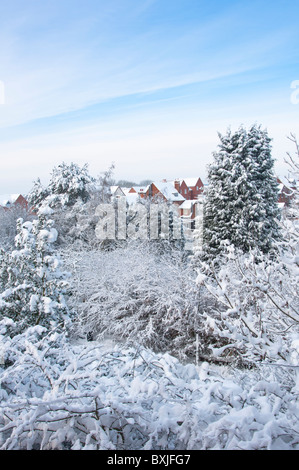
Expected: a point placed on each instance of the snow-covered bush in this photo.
(61, 395)
(31, 281)
(255, 314)
(141, 291)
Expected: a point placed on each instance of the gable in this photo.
(7, 200)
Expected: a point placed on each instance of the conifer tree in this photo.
(68, 184)
(241, 206)
(32, 286)
(37, 194)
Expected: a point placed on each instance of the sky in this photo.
(144, 84)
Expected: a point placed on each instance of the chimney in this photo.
(177, 185)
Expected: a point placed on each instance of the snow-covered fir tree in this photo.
(241, 205)
(68, 184)
(73, 194)
(31, 281)
(37, 194)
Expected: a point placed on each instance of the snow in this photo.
(105, 396)
(168, 190)
(46, 210)
(8, 199)
(147, 347)
(49, 236)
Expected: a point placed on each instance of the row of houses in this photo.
(182, 192)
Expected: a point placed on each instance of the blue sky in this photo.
(146, 84)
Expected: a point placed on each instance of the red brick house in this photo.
(9, 200)
(285, 194)
(189, 188)
(195, 187)
(141, 190)
(165, 191)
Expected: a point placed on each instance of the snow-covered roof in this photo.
(132, 198)
(125, 190)
(284, 180)
(190, 182)
(140, 189)
(187, 204)
(169, 191)
(114, 189)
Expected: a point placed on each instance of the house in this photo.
(189, 188)
(10, 200)
(285, 194)
(190, 209)
(116, 191)
(140, 190)
(187, 209)
(166, 191)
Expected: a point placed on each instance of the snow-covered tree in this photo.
(60, 395)
(31, 281)
(8, 223)
(104, 183)
(142, 292)
(252, 308)
(69, 183)
(252, 297)
(241, 204)
(293, 178)
(73, 194)
(37, 194)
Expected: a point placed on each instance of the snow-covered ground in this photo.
(62, 394)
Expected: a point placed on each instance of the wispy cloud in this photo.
(72, 66)
(126, 76)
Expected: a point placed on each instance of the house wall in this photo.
(197, 189)
(185, 191)
(153, 192)
(21, 201)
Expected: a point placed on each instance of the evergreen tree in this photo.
(68, 184)
(37, 194)
(241, 206)
(32, 285)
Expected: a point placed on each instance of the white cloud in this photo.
(55, 61)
